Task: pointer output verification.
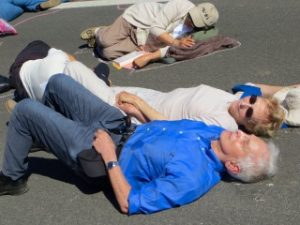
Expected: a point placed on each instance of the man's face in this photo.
(238, 145)
(249, 108)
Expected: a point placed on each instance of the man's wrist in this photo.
(111, 164)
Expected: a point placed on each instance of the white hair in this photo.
(253, 170)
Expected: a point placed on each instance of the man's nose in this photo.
(240, 133)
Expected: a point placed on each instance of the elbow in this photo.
(124, 208)
(124, 205)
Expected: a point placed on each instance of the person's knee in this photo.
(56, 81)
(103, 38)
(23, 108)
(108, 53)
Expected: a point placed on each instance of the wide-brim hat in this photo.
(204, 14)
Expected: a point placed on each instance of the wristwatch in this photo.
(112, 164)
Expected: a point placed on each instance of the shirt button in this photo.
(181, 132)
(148, 129)
(198, 138)
(164, 129)
(202, 149)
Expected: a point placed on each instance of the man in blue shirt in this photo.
(163, 164)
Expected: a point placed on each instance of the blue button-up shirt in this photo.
(169, 164)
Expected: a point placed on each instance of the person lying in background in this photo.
(11, 9)
(151, 27)
(260, 115)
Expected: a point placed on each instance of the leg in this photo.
(87, 78)
(10, 11)
(68, 97)
(121, 48)
(116, 39)
(116, 32)
(30, 5)
(32, 121)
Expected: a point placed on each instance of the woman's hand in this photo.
(126, 97)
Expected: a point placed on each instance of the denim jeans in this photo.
(65, 124)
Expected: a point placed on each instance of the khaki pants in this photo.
(117, 39)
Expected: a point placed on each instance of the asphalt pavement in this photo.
(269, 33)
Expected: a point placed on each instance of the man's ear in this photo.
(232, 167)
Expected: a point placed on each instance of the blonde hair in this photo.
(275, 118)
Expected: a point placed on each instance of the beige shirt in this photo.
(153, 19)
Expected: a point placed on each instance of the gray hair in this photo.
(254, 170)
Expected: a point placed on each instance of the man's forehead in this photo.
(257, 146)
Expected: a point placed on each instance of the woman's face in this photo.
(249, 108)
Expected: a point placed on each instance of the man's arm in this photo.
(140, 104)
(182, 42)
(160, 53)
(104, 145)
(270, 90)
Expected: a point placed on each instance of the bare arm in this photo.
(104, 145)
(170, 41)
(145, 59)
(132, 111)
(270, 90)
(140, 104)
(156, 55)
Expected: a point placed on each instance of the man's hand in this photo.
(128, 108)
(148, 112)
(184, 42)
(105, 146)
(126, 97)
(125, 101)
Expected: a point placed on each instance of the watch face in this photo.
(112, 164)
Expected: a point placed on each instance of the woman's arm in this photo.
(270, 90)
(132, 111)
(140, 104)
